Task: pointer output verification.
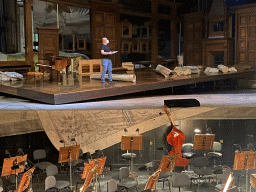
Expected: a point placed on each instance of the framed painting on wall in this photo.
(81, 44)
(135, 47)
(126, 47)
(143, 47)
(144, 32)
(68, 42)
(126, 30)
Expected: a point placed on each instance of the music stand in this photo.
(203, 142)
(101, 164)
(87, 168)
(25, 180)
(245, 160)
(89, 177)
(13, 166)
(131, 143)
(69, 154)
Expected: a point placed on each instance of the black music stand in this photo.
(69, 154)
(14, 166)
(131, 143)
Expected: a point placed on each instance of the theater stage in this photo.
(77, 88)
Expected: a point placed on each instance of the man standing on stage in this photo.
(106, 61)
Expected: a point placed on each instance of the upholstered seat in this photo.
(187, 151)
(39, 155)
(125, 182)
(51, 181)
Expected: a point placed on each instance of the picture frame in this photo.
(135, 47)
(144, 32)
(68, 42)
(81, 44)
(126, 47)
(126, 30)
(144, 47)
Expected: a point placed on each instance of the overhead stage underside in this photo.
(75, 89)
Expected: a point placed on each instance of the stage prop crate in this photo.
(90, 66)
(128, 65)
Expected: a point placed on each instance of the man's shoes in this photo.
(111, 82)
(103, 84)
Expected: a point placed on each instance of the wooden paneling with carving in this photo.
(246, 36)
(104, 24)
(193, 32)
(98, 33)
(48, 39)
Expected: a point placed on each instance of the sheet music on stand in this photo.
(88, 166)
(101, 164)
(203, 141)
(14, 165)
(131, 142)
(244, 160)
(69, 154)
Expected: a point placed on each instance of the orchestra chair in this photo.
(250, 147)
(20, 152)
(187, 152)
(181, 180)
(50, 180)
(125, 181)
(200, 166)
(97, 154)
(216, 153)
(112, 185)
(39, 155)
(7, 154)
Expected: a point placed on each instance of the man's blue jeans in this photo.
(106, 65)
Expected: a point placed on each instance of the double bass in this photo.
(176, 138)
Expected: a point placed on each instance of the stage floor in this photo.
(78, 88)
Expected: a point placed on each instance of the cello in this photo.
(176, 138)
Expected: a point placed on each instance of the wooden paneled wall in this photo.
(193, 33)
(246, 36)
(105, 24)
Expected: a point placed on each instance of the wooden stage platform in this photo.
(76, 89)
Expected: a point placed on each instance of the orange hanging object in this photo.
(177, 139)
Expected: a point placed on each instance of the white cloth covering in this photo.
(10, 76)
